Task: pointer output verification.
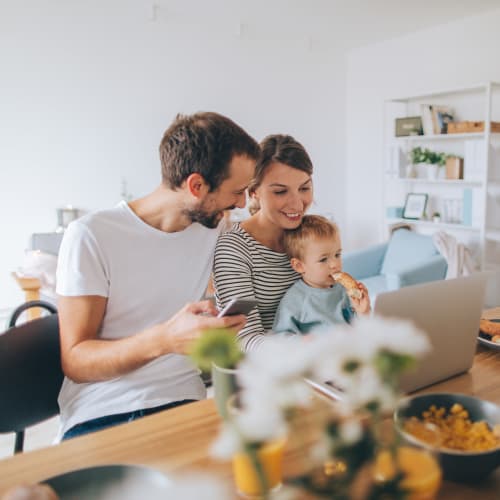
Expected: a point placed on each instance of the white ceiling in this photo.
(348, 23)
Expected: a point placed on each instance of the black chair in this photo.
(30, 371)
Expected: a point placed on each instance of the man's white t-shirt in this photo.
(147, 276)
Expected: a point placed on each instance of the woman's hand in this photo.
(361, 305)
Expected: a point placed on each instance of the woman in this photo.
(249, 259)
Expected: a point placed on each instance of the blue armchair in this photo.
(407, 259)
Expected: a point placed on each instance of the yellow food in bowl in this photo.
(453, 429)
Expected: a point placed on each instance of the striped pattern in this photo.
(245, 268)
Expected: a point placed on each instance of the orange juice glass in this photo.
(421, 469)
(247, 480)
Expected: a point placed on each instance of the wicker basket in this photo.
(468, 127)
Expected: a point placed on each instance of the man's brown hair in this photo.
(312, 226)
(203, 143)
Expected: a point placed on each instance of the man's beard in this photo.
(210, 220)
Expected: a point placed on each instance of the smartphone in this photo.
(237, 306)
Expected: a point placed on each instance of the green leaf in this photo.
(390, 364)
(351, 365)
(217, 346)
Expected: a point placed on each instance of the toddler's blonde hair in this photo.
(312, 226)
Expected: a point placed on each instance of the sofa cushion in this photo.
(406, 249)
(375, 285)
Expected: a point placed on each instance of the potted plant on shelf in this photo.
(436, 161)
(432, 160)
(416, 156)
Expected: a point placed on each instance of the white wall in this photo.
(87, 89)
(448, 56)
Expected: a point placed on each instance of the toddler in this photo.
(317, 300)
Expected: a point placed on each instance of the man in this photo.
(125, 276)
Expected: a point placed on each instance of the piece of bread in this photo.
(490, 327)
(349, 283)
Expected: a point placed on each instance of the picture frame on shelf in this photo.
(411, 125)
(415, 206)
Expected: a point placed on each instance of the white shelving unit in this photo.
(443, 182)
(443, 226)
(475, 218)
(441, 137)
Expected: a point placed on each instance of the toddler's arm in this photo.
(362, 304)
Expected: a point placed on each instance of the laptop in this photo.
(448, 311)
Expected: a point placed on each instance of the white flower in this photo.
(228, 442)
(261, 424)
(273, 379)
(367, 388)
(394, 335)
(262, 413)
(194, 487)
(353, 346)
(350, 431)
(277, 358)
(320, 451)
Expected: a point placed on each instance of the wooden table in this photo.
(178, 440)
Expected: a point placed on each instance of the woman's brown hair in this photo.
(278, 148)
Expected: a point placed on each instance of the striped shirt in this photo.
(245, 268)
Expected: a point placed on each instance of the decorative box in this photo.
(454, 168)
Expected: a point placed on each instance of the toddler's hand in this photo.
(361, 305)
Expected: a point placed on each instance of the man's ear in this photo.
(297, 265)
(196, 185)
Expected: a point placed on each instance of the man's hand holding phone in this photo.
(237, 306)
(192, 321)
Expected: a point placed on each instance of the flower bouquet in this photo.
(350, 456)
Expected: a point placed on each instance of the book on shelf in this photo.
(471, 208)
(444, 115)
(474, 160)
(397, 162)
(435, 119)
(426, 110)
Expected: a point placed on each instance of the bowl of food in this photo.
(462, 431)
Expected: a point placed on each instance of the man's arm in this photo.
(85, 358)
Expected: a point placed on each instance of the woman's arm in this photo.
(233, 278)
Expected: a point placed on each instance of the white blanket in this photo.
(41, 265)
(457, 255)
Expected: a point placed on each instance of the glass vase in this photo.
(225, 385)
